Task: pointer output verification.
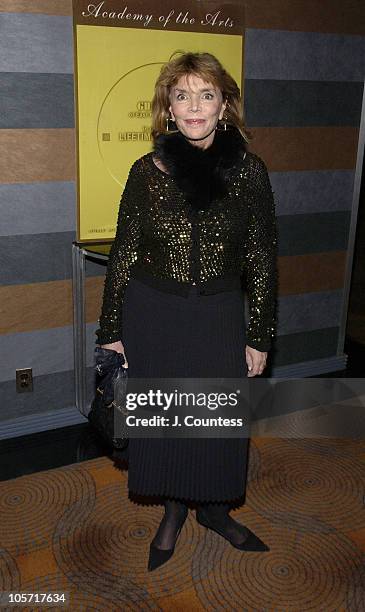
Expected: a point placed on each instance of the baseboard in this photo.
(44, 421)
(311, 368)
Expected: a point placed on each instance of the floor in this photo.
(74, 530)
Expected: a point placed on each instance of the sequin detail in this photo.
(236, 235)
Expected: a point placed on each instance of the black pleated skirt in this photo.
(166, 335)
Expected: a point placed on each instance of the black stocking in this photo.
(218, 515)
(174, 518)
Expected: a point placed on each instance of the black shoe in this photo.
(159, 556)
(252, 543)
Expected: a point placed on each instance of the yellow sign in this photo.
(116, 71)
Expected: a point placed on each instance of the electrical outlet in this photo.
(24, 380)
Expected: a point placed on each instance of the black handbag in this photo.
(108, 409)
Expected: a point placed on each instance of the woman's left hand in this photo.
(256, 361)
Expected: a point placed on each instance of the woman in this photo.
(196, 213)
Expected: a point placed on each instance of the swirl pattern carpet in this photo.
(76, 529)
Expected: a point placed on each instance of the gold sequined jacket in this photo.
(159, 234)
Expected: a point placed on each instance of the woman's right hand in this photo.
(118, 347)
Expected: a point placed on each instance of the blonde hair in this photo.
(207, 67)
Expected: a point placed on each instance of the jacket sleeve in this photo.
(261, 258)
(123, 255)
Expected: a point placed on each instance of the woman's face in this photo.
(196, 107)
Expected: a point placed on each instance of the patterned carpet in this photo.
(75, 529)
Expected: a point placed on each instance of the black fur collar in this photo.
(200, 173)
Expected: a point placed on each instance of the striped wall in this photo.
(304, 64)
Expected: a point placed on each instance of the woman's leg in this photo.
(174, 518)
(216, 516)
(163, 544)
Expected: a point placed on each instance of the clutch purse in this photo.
(108, 408)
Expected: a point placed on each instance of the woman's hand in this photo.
(256, 361)
(119, 348)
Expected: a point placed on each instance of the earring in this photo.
(222, 123)
(169, 120)
(174, 128)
